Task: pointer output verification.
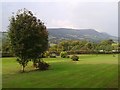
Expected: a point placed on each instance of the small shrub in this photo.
(67, 56)
(63, 54)
(53, 55)
(43, 65)
(75, 58)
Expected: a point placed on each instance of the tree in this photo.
(107, 42)
(115, 46)
(110, 41)
(6, 47)
(108, 48)
(28, 37)
(89, 45)
(64, 45)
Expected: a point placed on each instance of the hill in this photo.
(57, 34)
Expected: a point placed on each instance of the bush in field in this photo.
(42, 65)
(75, 58)
(53, 55)
(67, 56)
(63, 54)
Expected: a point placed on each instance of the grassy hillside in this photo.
(92, 71)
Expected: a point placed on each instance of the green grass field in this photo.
(91, 71)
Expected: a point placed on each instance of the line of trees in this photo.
(73, 47)
(78, 47)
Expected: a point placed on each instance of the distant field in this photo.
(91, 71)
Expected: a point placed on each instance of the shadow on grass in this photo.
(34, 70)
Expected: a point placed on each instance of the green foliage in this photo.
(47, 54)
(85, 47)
(5, 54)
(52, 55)
(28, 36)
(115, 46)
(75, 58)
(108, 48)
(89, 45)
(43, 65)
(64, 45)
(53, 48)
(63, 54)
(67, 56)
(23, 62)
(106, 42)
(6, 47)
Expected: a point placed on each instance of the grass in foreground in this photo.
(90, 72)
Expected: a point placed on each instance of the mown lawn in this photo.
(91, 71)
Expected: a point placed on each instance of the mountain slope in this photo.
(58, 34)
(79, 34)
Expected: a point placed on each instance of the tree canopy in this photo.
(28, 36)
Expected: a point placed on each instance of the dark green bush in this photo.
(67, 56)
(75, 58)
(43, 65)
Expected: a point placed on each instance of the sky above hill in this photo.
(101, 16)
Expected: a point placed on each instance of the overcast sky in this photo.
(101, 16)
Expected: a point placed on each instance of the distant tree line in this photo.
(85, 47)
(73, 47)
